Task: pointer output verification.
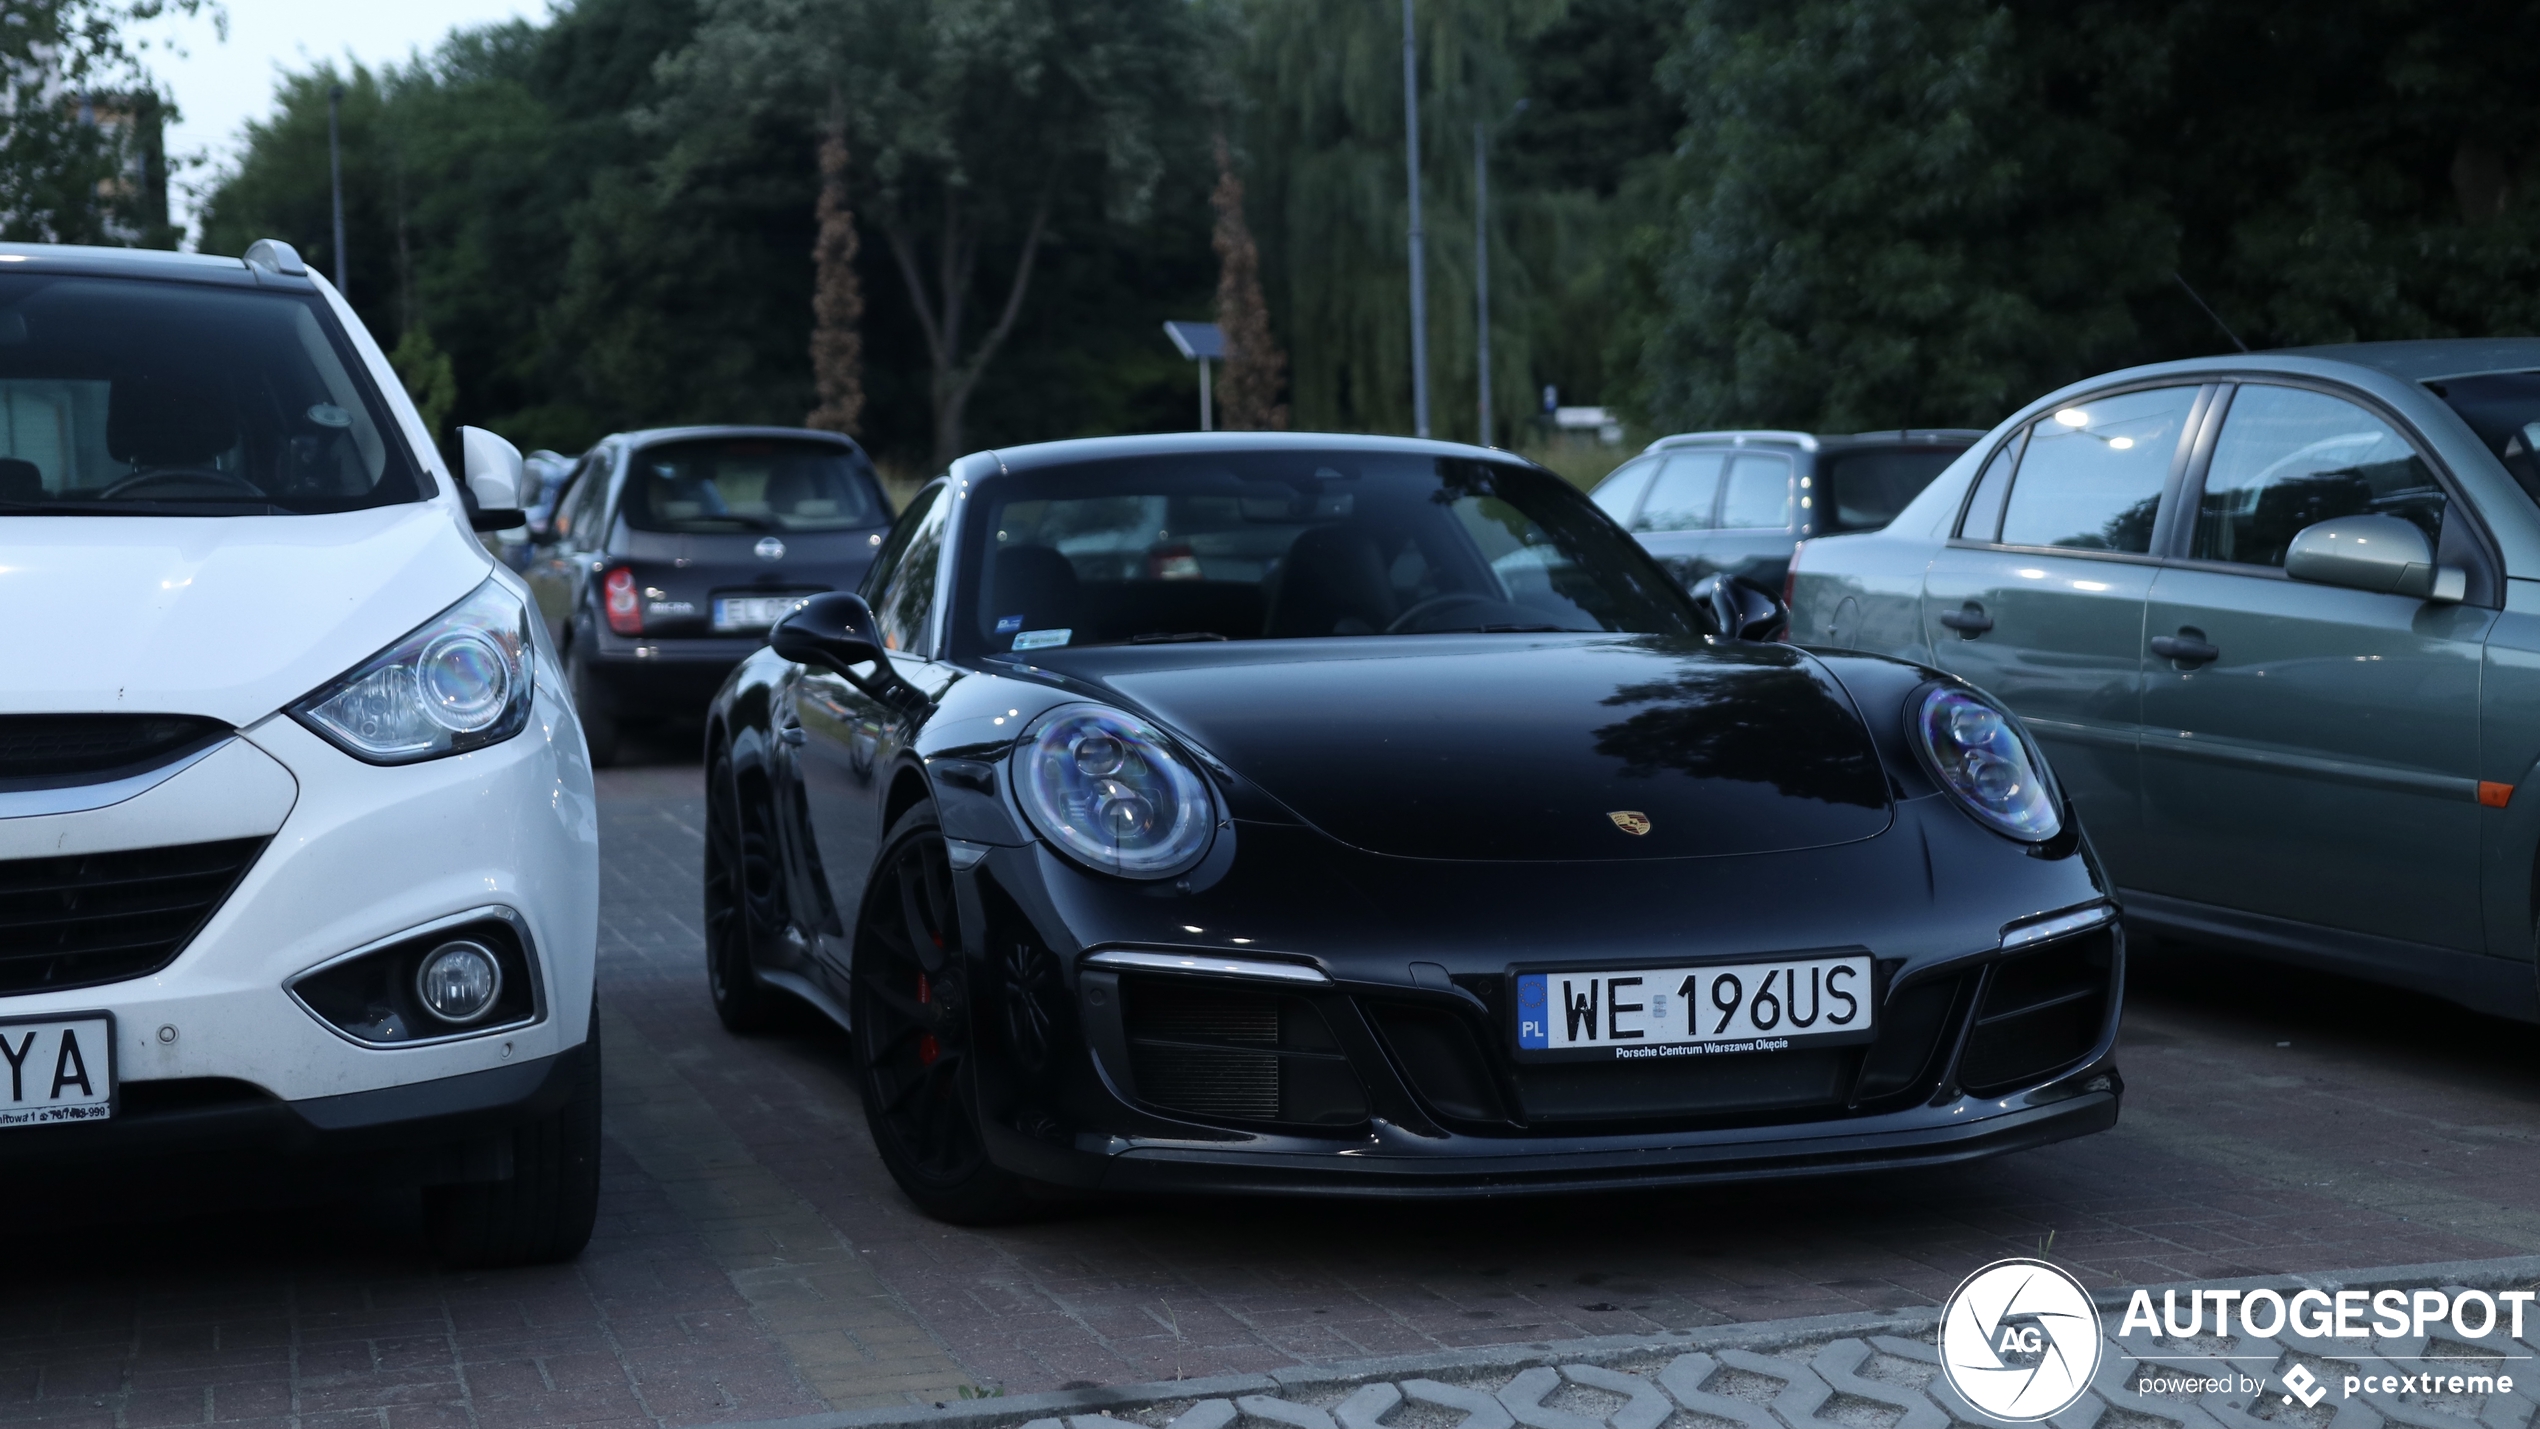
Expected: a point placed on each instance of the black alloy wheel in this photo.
(913, 1034)
(599, 722)
(744, 903)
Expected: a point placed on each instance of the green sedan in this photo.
(2275, 619)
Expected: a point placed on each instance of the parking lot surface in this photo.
(753, 1261)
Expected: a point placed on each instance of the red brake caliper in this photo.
(927, 1048)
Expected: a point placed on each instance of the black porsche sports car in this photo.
(1362, 815)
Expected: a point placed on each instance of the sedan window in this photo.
(2289, 458)
(1616, 495)
(2093, 474)
(1863, 490)
(1285, 545)
(1757, 494)
(1683, 495)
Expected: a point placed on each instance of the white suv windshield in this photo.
(126, 396)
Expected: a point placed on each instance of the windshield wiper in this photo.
(1173, 637)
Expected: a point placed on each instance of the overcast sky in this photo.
(220, 85)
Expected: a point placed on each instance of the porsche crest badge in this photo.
(1630, 821)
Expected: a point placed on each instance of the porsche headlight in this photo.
(459, 682)
(1111, 793)
(1975, 750)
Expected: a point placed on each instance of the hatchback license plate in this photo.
(57, 1069)
(754, 612)
(1635, 1013)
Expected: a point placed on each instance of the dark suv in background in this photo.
(668, 553)
(1740, 502)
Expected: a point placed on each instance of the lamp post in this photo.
(1419, 269)
(1481, 262)
(335, 173)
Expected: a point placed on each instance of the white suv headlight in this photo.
(461, 681)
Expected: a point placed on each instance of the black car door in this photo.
(851, 740)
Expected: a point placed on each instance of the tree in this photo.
(1255, 370)
(979, 119)
(1929, 211)
(837, 302)
(1324, 78)
(80, 122)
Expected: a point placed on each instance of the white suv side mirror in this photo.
(493, 469)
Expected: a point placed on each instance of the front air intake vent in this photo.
(2042, 1012)
(1229, 1052)
(83, 919)
(44, 751)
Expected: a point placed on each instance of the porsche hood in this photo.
(228, 616)
(1500, 747)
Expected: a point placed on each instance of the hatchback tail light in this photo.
(618, 598)
(1790, 582)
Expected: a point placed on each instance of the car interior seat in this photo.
(798, 487)
(1333, 582)
(20, 480)
(158, 419)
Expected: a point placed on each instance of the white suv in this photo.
(298, 861)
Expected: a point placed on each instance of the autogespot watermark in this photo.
(2021, 1341)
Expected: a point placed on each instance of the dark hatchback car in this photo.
(668, 554)
(1738, 503)
(1366, 815)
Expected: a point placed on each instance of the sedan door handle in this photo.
(2187, 647)
(1968, 620)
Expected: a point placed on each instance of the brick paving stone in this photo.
(753, 1261)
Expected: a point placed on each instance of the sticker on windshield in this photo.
(1008, 624)
(1040, 639)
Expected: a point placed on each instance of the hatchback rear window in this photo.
(129, 396)
(727, 484)
(1865, 489)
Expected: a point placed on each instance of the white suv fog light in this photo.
(459, 981)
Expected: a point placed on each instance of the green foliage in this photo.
(1927, 211)
(425, 369)
(976, 127)
(80, 153)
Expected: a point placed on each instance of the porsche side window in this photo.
(902, 584)
(2288, 458)
(2092, 477)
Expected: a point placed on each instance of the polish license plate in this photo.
(754, 612)
(57, 1069)
(1630, 1014)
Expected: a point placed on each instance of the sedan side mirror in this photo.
(836, 632)
(1739, 609)
(492, 468)
(2375, 553)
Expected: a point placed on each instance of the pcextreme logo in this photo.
(2020, 1340)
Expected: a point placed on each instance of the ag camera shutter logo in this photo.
(2020, 1340)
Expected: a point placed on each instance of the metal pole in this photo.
(1419, 270)
(335, 171)
(1481, 275)
(1207, 422)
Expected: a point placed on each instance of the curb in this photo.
(1601, 1351)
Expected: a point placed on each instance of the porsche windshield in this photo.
(1298, 544)
(130, 396)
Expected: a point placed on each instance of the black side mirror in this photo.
(836, 632)
(1739, 609)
